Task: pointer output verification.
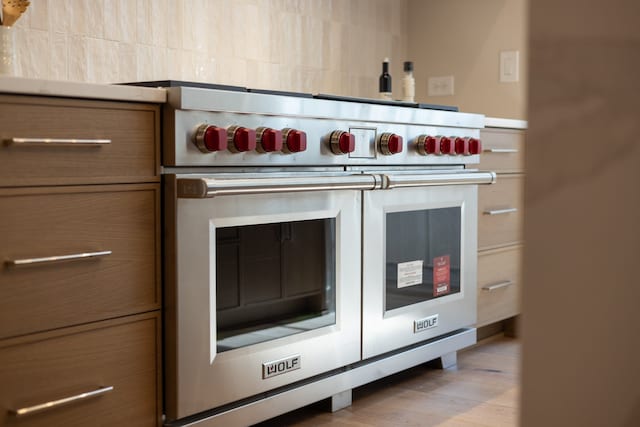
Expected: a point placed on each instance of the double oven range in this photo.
(311, 246)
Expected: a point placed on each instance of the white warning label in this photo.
(409, 273)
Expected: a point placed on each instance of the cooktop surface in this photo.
(181, 83)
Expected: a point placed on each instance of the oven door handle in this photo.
(201, 188)
(448, 178)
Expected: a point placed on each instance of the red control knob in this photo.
(461, 146)
(209, 138)
(447, 146)
(241, 139)
(268, 140)
(475, 146)
(428, 144)
(342, 142)
(295, 141)
(390, 143)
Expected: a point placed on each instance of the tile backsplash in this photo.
(319, 46)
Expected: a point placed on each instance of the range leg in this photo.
(449, 360)
(341, 400)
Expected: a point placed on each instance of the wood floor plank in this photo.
(483, 390)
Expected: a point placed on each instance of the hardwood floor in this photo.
(482, 391)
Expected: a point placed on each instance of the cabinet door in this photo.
(503, 150)
(116, 361)
(499, 282)
(50, 141)
(500, 212)
(119, 225)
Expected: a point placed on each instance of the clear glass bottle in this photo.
(385, 81)
(408, 83)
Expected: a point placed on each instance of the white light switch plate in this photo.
(509, 66)
(440, 86)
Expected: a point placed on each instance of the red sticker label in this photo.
(441, 276)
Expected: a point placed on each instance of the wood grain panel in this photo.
(42, 222)
(132, 156)
(501, 139)
(502, 229)
(495, 267)
(44, 367)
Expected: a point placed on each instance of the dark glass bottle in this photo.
(385, 81)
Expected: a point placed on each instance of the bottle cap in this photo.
(408, 66)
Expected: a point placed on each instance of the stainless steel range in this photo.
(312, 245)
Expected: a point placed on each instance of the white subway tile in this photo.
(128, 63)
(58, 57)
(60, 16)
(38, 15)
(175, 24)
(78, 52)
(331, 46)
(30, 45)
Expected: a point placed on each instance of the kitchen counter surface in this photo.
(24, 86)
(495, 122)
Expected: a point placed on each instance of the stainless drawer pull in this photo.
(71, 257)
(66, 142)
(55, 403)
(497, 285)
(501, 150)
(500, 211)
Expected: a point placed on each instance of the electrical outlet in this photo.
(509, 66)
(440, 86)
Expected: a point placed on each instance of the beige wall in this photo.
(330, 46)
(463, 38)
(581, 301)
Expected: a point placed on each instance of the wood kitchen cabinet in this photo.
(80, 275)
(500, 226)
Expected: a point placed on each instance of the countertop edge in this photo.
(62, 88)
(497, 122)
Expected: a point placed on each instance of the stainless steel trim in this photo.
(198, 99)
(496, 122)
(71, 257)
(58, 142)
(422, 180)
(200, 188)
(55, 403)
(500, 211)
(498, 285)
(306, 394)
(501, 150)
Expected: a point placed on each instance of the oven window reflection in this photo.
(422, 255)
(274, 280)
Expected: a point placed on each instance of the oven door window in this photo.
(274, 280)
(422, 256)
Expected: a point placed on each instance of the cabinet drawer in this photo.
(499, 279)
(130, 156)
(49, 367)
(503, 150)
(500, 212)
(38, 223)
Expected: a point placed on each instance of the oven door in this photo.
(419, 258)
(265, 288)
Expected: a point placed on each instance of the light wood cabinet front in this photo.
(66, 141)
(49, 367)
(501, 212)
(503, 150)
(500, 225)
(61, 221)
(499, 282)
